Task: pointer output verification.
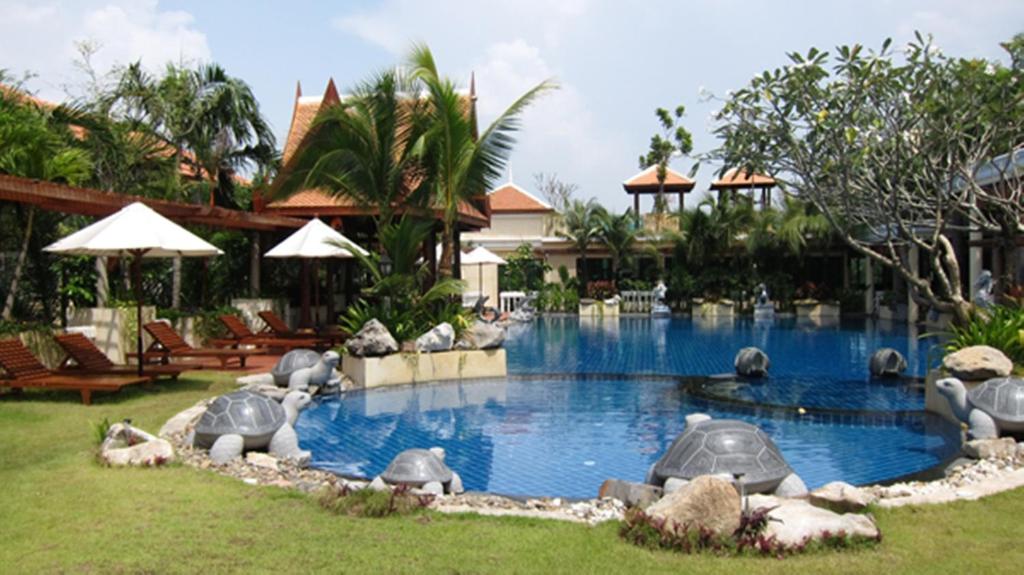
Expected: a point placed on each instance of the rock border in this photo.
(967, 482)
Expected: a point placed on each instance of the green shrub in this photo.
(999, 327)
(99, 431)
(370, 503)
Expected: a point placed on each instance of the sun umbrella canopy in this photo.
(314, 240)
(133, 229)
(482, 255)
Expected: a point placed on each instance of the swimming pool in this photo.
(589, 401)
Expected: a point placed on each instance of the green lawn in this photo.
(61, 512)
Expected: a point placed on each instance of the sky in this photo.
(615, 62)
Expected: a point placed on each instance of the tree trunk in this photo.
(13, 291)
(583, 273)
(176, 283)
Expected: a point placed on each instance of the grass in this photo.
(62, 512)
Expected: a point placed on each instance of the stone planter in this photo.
(811, 309)
(597, 308)
(114, 328)
(718, 309)
(406, 368)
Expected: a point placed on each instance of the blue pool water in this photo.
(592, 401)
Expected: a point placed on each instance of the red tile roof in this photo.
(511, 199)
(741, 179)
(647, 181)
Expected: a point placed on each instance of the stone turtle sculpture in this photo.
(245, 420)
(730, 448)
(990, 409)
(421, 467)
(320, 374)
(887, 362)
(752, 362)
(292, 361)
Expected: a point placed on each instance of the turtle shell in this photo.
(1001, 397)
(416, 467)
(254, 416)
(724, 446)
(290, 362)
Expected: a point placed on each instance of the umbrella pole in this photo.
(480, 279)
(137, 279)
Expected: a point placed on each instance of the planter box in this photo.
(722, 309)
(115, 328)
(406, 368)
(816, 310)
(597, 308)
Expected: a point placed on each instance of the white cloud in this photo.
(41, 38)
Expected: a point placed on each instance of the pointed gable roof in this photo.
(305, 111)
(512, 199)
(647, 181)
(735, 178)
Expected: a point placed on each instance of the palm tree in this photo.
(209, 120)
(618, 233)
(367, 148)
(582, 227)
(459, 165)
(34, 144)
(714, 226)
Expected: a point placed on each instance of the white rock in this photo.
(673, 484)
(250, 481)
(180, 423)
(440, 338)
(433, 487)
(256, 379)
(978, 362)
(264, 460)
(793, 520)
(707, 501)
(841, 497)
(791, 486)
(990, 448)
(149, 453)
(378, 484)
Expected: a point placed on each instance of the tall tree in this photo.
(459, 165)
(34, 144)
(582, 227)
(891, 152)
(619, 234)
(674, 140)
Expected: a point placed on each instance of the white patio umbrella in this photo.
(315, 240)
(137, 231)
(480, 256)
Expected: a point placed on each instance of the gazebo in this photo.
(736, 179)
(646, 182)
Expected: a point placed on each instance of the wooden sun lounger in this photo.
(242, 335)
(24, 370)
(277, 327)
(82, 356)
(167, 343)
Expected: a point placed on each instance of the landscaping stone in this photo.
(841, 497)
(263, 460)
(455, 485)
(792, 521)
(674, 483)
(708, 502)
(372, 340)
(978, 362)
(256, 379)
(632, 494)
(791, 486)
(378, 484)
(990, 448)
(146, 454)
(180, 424)
(440, 338)
(483, 335)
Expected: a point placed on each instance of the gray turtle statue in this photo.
(752, 362)
(290, 362)
(423, 468)
(729, 448)
(990, 409)
(245, 420)
(887, 362)
(320, 374)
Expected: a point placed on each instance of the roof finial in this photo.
(298, 89)
(331, 93)
(472, 86)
